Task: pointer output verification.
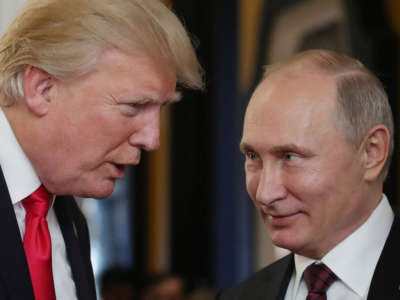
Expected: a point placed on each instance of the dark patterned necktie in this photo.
(37, 244)
(318, 278)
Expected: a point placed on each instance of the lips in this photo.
(281, 219)
(118, 170)
(120, 166)
(278, 217)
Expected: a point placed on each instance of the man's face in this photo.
(99, 123)
(304, 177)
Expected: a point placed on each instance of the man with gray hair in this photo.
(318, 137)
(81, 88)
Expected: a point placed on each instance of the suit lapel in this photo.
(283, 279)
(386, 280)
(77, 245)
(14, 270)
(272, 285)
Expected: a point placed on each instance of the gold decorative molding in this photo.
(250, 17)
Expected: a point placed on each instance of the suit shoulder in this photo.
(272, 275)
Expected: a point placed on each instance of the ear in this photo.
(375, 151)
(36, 85)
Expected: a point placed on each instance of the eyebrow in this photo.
(291, 148)
(245, 147)
(176, 97)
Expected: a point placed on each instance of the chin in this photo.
(97, 191)
(285, 240)
(282, 244)
(100, 193)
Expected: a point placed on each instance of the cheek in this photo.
(317, 195)
(252, 180)
(307, 182)
(312, 193)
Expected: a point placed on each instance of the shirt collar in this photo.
(345, 254)
(20, 177)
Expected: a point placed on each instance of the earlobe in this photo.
(36, 86)
(376, 151)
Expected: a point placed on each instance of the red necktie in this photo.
(318, 278)
(37, 244)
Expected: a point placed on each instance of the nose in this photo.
(147, 135)
(270, 187)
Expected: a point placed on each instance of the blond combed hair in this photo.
(361, 101)
(65, 38)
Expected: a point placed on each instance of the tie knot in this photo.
(318, 278)
(38, 202)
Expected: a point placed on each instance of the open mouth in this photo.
(120, 167)
(119, 170)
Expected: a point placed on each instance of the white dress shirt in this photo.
(353, 260)
(22, 180)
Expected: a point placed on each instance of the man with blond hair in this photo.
(318, 137)
(81, 88)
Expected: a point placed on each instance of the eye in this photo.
(250, 155)
(135, 105)
(130, 109)
(290, 156)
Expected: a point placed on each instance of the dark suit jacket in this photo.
(15, 282)
(271, 282)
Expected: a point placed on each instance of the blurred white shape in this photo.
(8, 10)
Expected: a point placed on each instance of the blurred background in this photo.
(185, 209)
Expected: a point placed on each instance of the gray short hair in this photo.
(362, 102)
(65, 38)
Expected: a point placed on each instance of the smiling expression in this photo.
(302, 174)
